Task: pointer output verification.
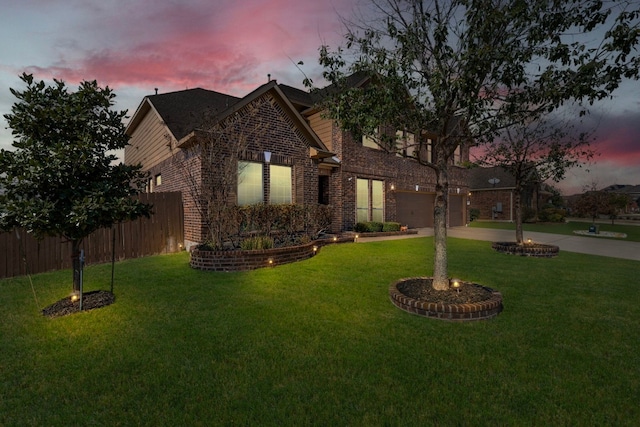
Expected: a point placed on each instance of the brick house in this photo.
(492, 192)
(300, 157)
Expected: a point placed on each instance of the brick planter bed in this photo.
(526, 249)
(251, 260)
(453, 312)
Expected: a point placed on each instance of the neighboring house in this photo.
(300, 158)
(633, 191)
(493, 194)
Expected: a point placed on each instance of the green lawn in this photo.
(632, 231)
(319, 343)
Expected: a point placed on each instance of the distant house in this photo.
(633, 191)
(301, 157)
(492, 192)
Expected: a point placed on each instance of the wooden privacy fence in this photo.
(20, 253)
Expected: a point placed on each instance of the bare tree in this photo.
(211, 164)
(535, 152)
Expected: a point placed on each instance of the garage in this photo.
(415, 209)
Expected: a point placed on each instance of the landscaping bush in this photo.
(257, 243)
(474, 214)
(391, 226)
(375, 226)
(361, 227)
(552, 214)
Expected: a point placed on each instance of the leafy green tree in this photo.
(61, 180)
(465, 69)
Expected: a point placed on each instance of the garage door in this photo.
(415, 209)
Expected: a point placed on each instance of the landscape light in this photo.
(335, 238)
(455, 284)
(529, 241)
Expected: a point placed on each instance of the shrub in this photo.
(551, 214)
(361, 227)
(256, 243)
(391, 226)
(375, 227)
(474, 214)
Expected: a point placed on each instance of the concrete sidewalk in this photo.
(585, 245)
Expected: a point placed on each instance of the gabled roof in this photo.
(304, 100)
(278, 94)
(184, 110)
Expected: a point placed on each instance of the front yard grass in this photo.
(319, 343)
(567, 228)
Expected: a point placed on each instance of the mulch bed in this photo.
(90, 301)
(421, 289)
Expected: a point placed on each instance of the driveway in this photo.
(585, 245)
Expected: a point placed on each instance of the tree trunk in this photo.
(440, 268)
(76, 265)
(517, 204)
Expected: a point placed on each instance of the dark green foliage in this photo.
(391, 226)
(376, 227)
(552, 214)
(361, 227)
(474, 214)
(61, 180)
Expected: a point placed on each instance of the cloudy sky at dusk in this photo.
(228, 46)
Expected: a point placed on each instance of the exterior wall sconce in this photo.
(393, 187)
(417, 187)
(458, 190)
(267, 156)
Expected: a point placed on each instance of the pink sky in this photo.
(228, 46)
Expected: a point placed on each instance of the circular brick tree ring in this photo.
(487, 308)
(538, 250)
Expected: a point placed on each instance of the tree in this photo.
(533, 153)
(61, 180)
(465, 69)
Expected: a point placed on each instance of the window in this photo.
(377, 202)
(150, 185)
(362, 200)
(405, 144)
(369, 200)
(251, 182)
(250, 190)
(158, 180)
(371, 142)
(279, 184)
